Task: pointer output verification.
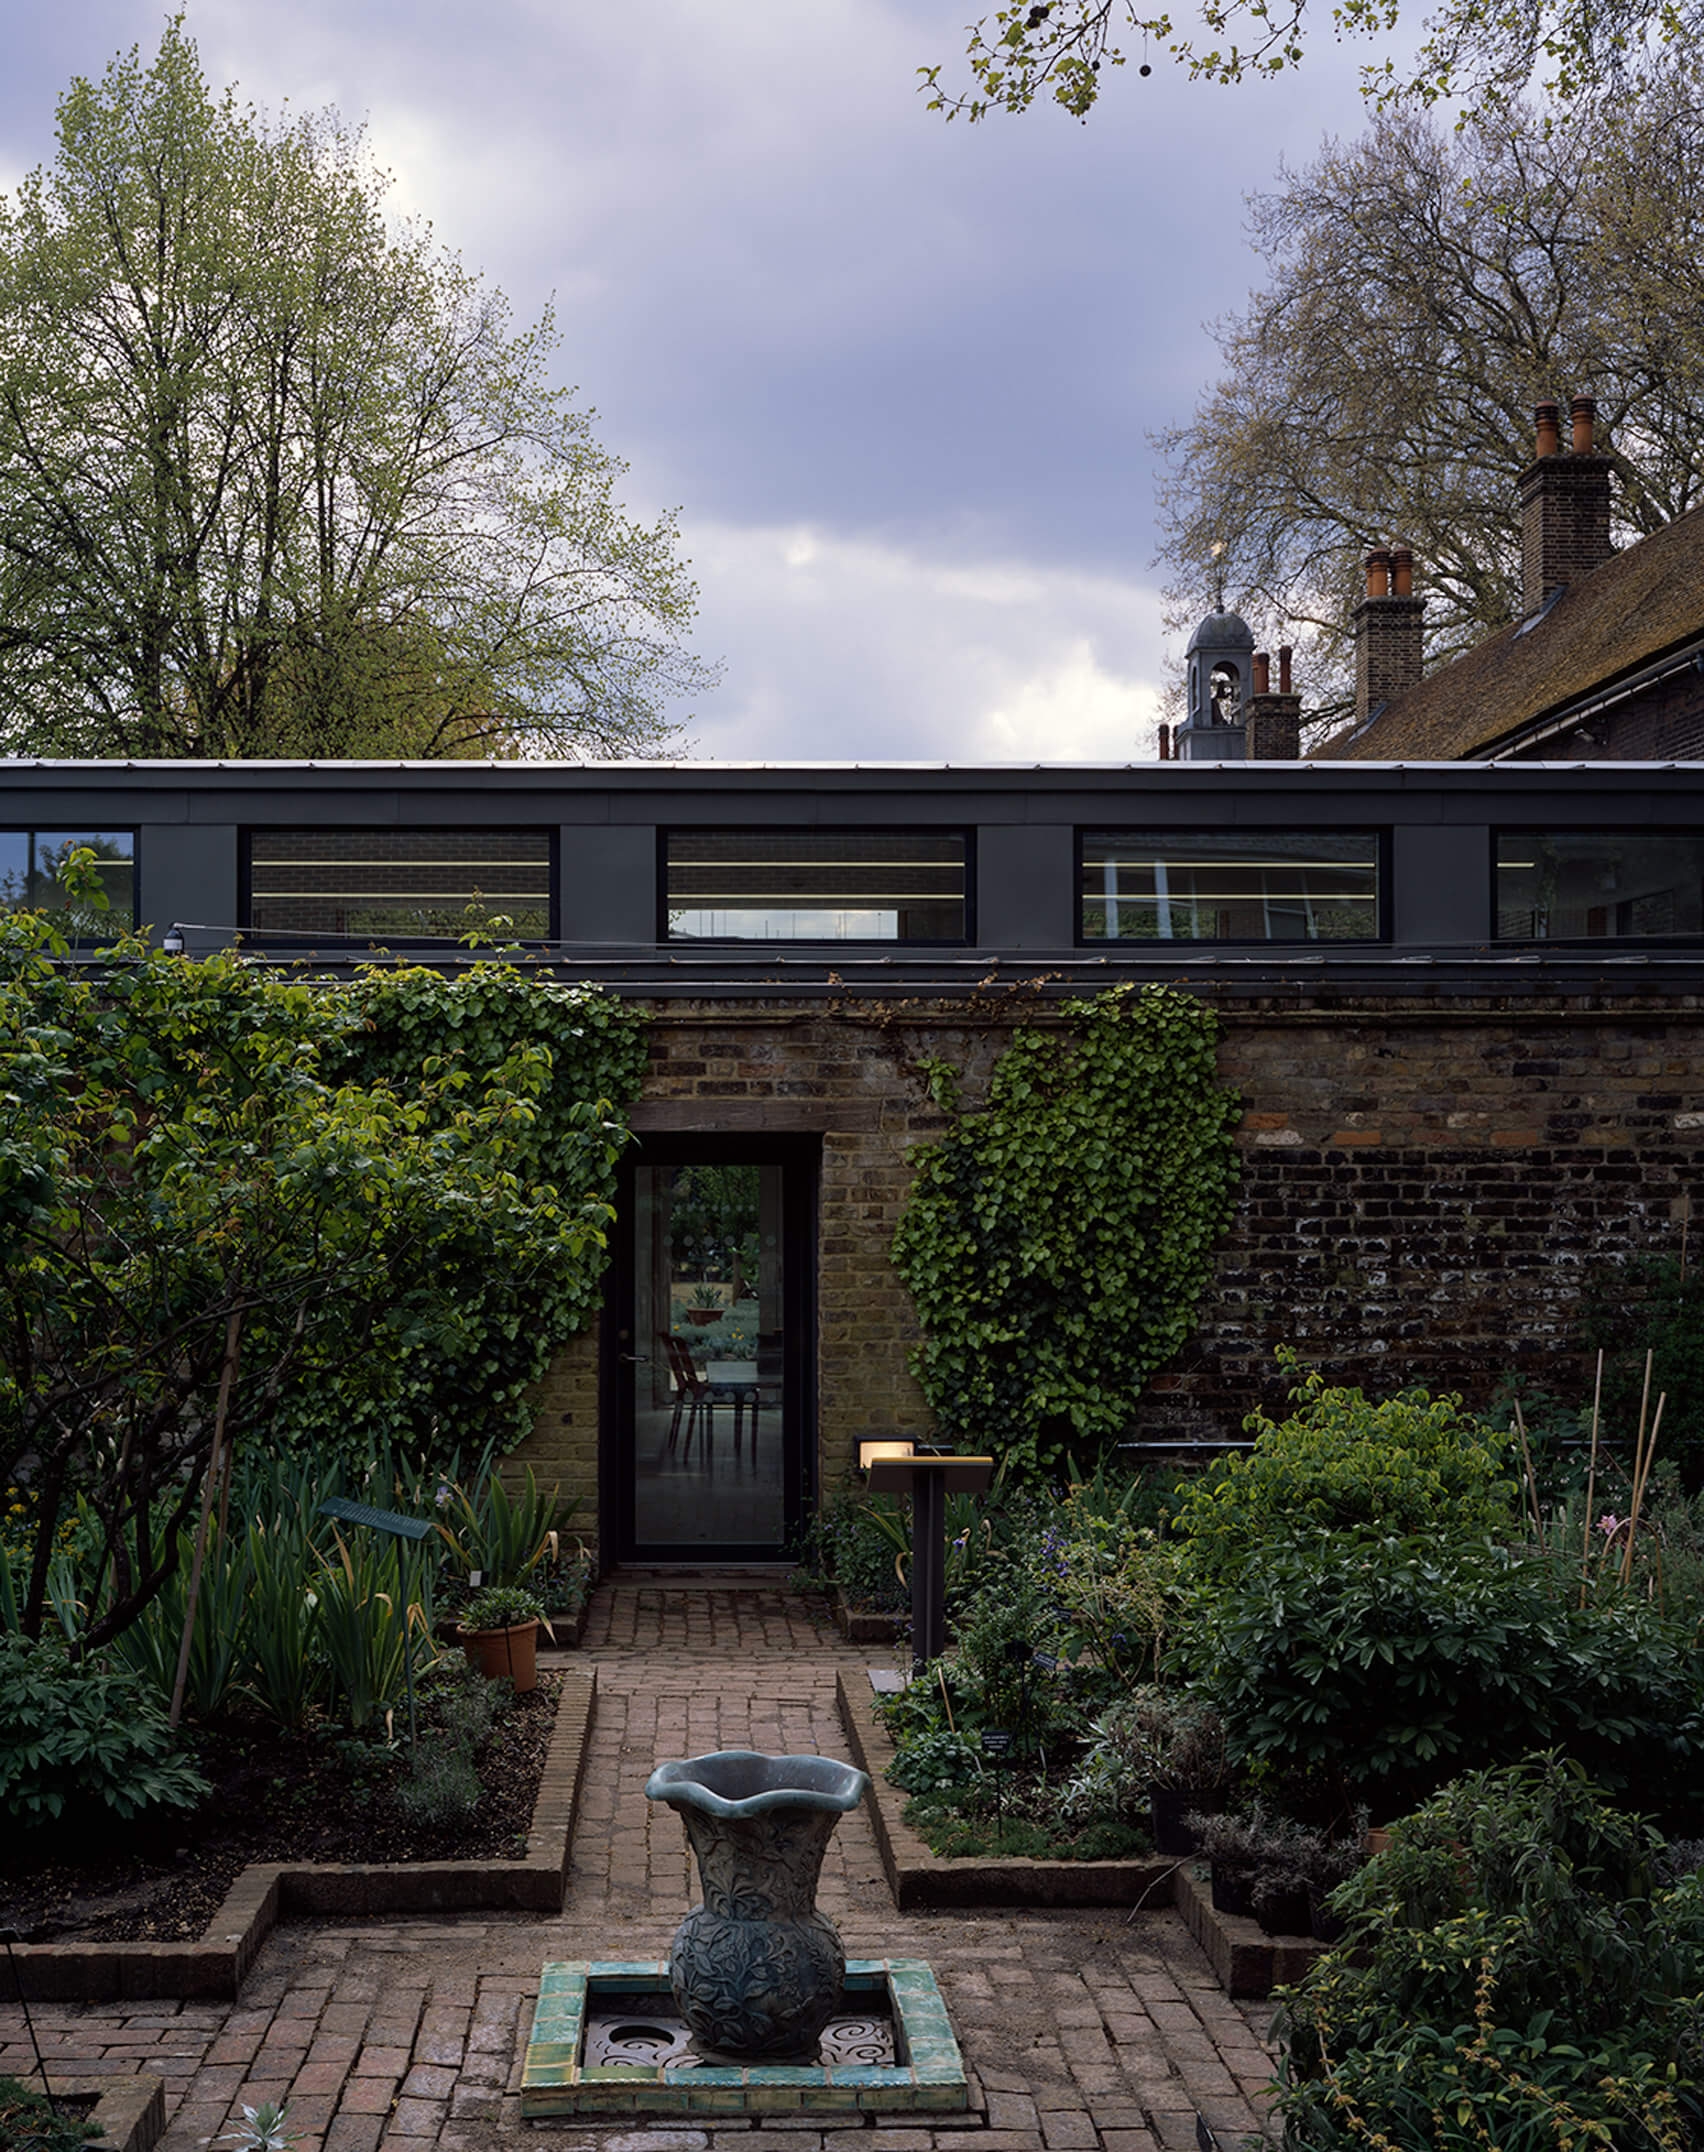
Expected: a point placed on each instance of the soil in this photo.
(275, 1797)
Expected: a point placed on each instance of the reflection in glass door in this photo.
(712, 1452)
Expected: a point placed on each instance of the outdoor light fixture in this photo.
(899, 1468)
(173, 943)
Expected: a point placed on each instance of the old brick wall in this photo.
(1427, 1183)
(1428, 1187)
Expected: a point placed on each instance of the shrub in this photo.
(1506, 1969)
(1399, 1661)
(75, 1737)
(441, 1787)
(30, 2123)
(1341, 1463)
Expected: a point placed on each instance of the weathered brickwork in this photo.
(1426, 1186)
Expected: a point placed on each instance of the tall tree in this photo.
(280, 476)
(1487, 52)
(1425, 287)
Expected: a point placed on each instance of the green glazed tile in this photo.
(717, 2078)
(541, 2053)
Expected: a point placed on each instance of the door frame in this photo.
(800, 1160)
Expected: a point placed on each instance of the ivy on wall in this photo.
(1058, 1237)
(567, 1061)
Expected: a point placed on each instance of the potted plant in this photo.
(1279, 1900)
(1179, 1749)
(499, 1633)
(708, 1307)
(1245, 1852)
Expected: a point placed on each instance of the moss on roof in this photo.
(1638, 605)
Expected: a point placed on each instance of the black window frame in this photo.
(1536, 831)
(132, 830)
(1384, 851)
(281, 937)
(966, 836)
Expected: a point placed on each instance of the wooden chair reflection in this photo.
(692, 1392)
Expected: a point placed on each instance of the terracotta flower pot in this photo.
(499, 1653)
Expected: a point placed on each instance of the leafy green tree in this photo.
(244, 1206)
(1423, 287)
(1058, 1237)
(278, 476)
(1487, 54)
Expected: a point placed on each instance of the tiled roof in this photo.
(1637, 606)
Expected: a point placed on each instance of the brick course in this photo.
(1426, 1186)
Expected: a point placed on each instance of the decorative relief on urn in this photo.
(756, 1970)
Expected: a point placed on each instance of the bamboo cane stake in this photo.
(1642, 1472)
(227, 1374)
(1531, 1479)
(1591, 1482)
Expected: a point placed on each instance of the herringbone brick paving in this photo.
(1085, 2032)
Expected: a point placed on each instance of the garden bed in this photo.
(866, 1624)
(920, 1878)
(531, 1879)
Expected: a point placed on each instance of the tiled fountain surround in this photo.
(928, 2077)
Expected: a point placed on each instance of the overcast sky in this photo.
(898, 377)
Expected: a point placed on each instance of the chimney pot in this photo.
(1402, 572)
(1262, 673)
(1165, 742)
(1285, 653)
(1565, 507)
(1549, 417)
(1378, 573)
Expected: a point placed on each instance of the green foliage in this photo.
(378, 1207)
(502, 1606)
(1409, 1464)
(1507, 1967)
(936, 1762)
(279, 476)
(31, 2123)
(83, 1738)
(1065, 51)
(1058, 1238)
(1398, 1661)
(440, 1788)
(501, 1535)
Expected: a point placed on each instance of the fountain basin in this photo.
(926, 2075)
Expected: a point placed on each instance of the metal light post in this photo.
(925, 1475)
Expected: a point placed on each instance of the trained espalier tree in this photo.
(1059, 1235)
(279, 475)
(242, 1205)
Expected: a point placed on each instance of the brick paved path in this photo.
(1085, 2032)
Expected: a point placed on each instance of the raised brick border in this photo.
(867, 1625)
(215, 1967)
(129, 2112)
(1249, 1962)
(919, 1878)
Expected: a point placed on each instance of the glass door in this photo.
(710, 1416)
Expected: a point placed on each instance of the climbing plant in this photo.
(1059, 1236)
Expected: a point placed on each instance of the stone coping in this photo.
(919, 1878)
(129, 2112)
(928, 2077)
(1249, 1962)
(214, 1967)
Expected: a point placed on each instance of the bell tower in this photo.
(1219, 678)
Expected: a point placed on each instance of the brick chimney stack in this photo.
(1387, 631)
(1274, 714)
(1564, 498)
